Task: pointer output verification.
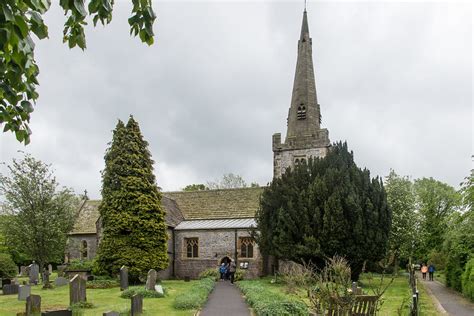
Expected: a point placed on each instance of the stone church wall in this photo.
(285, 159)
(168, 272)
(75, 246)
(213, 246)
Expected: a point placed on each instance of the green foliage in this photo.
(468, 280)
(82, 305)
(438, 259)
(78, 264)
(195, 187)
(39, 215)
(8, 268)
(102, 284)
(267, 303)
(228, 181)
(132, 216)
(128, 293)
(196, 296)
(328, 206)
(19, 20)
(401, 200)
(210, 273)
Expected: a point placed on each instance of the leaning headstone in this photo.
(159, 289)
(63, 312)
(33, 305)
(61, 281)
(137, 305)
(23, 292)
(123, 278)
(151, 280)
(111, 313)
(10, 289)
(77, 290)
(50, 269)
(34, 273)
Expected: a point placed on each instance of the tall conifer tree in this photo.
(324, 208)
(133, 220)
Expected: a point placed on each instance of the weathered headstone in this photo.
(63, 312)
(61, 281)
(50, 269)
(123, 278)
(61, 269)
(23, 292)
(10, 289)
(34, 273)
(77, 290)
(14, 281)
(111, 313)
(137, 305)
(159, 289)
(23, 271)
(151, 280)
(33, 305)
(46, 284)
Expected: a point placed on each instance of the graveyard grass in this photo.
(103, 300)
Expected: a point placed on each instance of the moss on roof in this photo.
(87, 216)
(217, 204)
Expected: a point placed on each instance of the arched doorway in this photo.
(225, 260)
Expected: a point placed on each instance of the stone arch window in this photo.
(297, 161)
(84, 249)
(246, 247)
(301, 113)
(192, 247)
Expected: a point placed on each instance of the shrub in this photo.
(195, 296)
(77, 264)
(267, 303)
(128, 293)
(8, 268)
(240, 274)
(82, 305)
(210, 273)
(454, 272)
(468, 280)
(101, 284)
(438, 259)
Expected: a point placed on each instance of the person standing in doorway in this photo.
(222, 271)
(232, 269)
(424, 269)
(431, 270)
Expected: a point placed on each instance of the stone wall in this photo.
(74, 246)
(284, 159)
(168, 272)
(213, 246)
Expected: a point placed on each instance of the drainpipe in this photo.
(174, 253)
(235, 248)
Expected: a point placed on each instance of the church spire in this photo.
(304, 113)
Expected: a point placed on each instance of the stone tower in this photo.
(304, 137)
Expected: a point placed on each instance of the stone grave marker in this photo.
(61, 281)
(50, 269)
(33, 305)
(137, 305)
(111, 313)
(23, 271)
(123, 278)
(77, 290)
(159, 289)
(46, 283)
(23, 292)
(151, 280)
(10, 289)
(61, 269)
(34, 273)
(63, 312)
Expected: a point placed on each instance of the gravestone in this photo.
(23, 271)
(61, 269)
(34, 273)
(137, 305)
(61, 281)
(111, 313)
(10, 289)
(151, 280)
(77, 290)
(63, 312)
(33, 305)
(46, 283)
(159, 289)
(23, 292)
(123, 278)
(50, 269)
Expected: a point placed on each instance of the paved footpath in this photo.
(451, 301)
(225, 299)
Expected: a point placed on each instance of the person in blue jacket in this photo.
(431, 270)
(223, 271)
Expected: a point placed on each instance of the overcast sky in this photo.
(394, 79)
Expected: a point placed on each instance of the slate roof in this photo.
(217, 204)
(217, 224)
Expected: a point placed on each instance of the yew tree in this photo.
(326, 207)
(133, 220)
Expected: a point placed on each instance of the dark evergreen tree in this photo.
(324, 208)
(133, 220)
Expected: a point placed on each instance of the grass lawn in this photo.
(103, 300)
(397, 294)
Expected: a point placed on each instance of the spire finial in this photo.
(304, 5)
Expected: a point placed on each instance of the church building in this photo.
(206, 228)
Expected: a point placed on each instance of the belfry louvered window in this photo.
(301, 114)
(192, 247)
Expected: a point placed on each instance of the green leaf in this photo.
(79, 5)
(7, 12)
(26, 105)
(22, 26)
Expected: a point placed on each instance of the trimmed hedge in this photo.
(128, 293)
(267, 303)
(195, 296)
(468, 280)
